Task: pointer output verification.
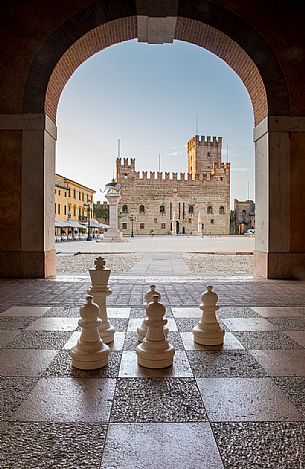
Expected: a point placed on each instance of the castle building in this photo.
(196, 203)
(244, 215)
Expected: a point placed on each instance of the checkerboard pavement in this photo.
(237, 406)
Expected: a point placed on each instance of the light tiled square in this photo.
(25, 311)
(277, 311)
(187, 312)
(25, 362)
(134, 323)
(230, 343)
(130, 368)
(161, 445)
(249, 324)
(68, 400)
(245, 399)
(118, 312)
(117, 344)
(53, 324)
(281, 362)
(297, 336)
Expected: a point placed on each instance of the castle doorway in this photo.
(177, 227)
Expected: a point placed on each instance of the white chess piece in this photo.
(90, 352)
(208, 330)
(155, 351)
(142, 329)
(100, 290)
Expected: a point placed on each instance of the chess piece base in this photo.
(208, 338)
(91, 360)
(155, 359)
(107, 335)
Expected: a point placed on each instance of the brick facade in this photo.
(163, 203)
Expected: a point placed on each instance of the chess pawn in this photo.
(155, 351)
(100, 290)
(142, 329)
(90, 352)
(208, 330)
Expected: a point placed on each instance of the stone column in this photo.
(27, 152)
(280, 197)
(113, 233)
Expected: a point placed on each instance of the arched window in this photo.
(209, 154)
(125, 209)
(210, 209)
(221, 210)
(243, 215)
(162, 209)
(142, 209)
(191, 208)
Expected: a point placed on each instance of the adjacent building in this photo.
(195, 203)
(244, 216)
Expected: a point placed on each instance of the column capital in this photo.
(278, 124)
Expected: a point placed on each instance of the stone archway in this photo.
(28, 128)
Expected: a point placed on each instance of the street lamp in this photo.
(89, 237)
(132, 218)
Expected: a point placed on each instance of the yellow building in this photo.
(72, 204)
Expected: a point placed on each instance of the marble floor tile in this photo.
(44, 340)
(281, 362)
(13, 391)
(68, 400)
(262, 340)
(180, 446)
(187, 312)
(118, 312)
(297, 336)
(276, 311)
(24, 362)
(53, 324)
(130, 369)
(245, 399)
(25, 311)
(134, 323)
(249, 324)
(7, 336)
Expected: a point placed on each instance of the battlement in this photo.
(124, 163)
(202, 140)
(218, 169)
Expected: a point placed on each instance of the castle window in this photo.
(162, 209)
(142, 226)
(189, 220)
(125, 209)
(212, 221)
(155, 220)
(191, 208)
(209, 154)
(221, 210)
(142, 209)
(243, 215)
(163, 226)
(210, 209)
(124, 226)
(221, 178)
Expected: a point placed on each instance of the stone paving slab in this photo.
(237, 398)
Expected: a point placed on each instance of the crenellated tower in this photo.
(202, 153)
(124, 169)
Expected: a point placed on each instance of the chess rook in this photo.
(155, 351)
(142, 329)
(208, 330)
(100, 290)
(90, 352)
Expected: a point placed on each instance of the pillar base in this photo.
(18, 264)
(279, 265)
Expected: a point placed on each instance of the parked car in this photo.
(250, 232)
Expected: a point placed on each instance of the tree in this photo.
(101, 211)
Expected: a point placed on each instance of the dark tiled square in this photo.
(45, 340)
(131, 340)
(262, 340)
(137, 313)
(225, 312)
(263, 445)
(51, 445)
(62, 312)
(288, 324)
(229, 364)
(119, 324)
(13, 391)
(7, 336)
(157, 400)
(294, 388)
(61, 367)
(8, 323)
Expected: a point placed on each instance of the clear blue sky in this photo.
(148, 96)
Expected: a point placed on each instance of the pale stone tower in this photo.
(202, 153)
